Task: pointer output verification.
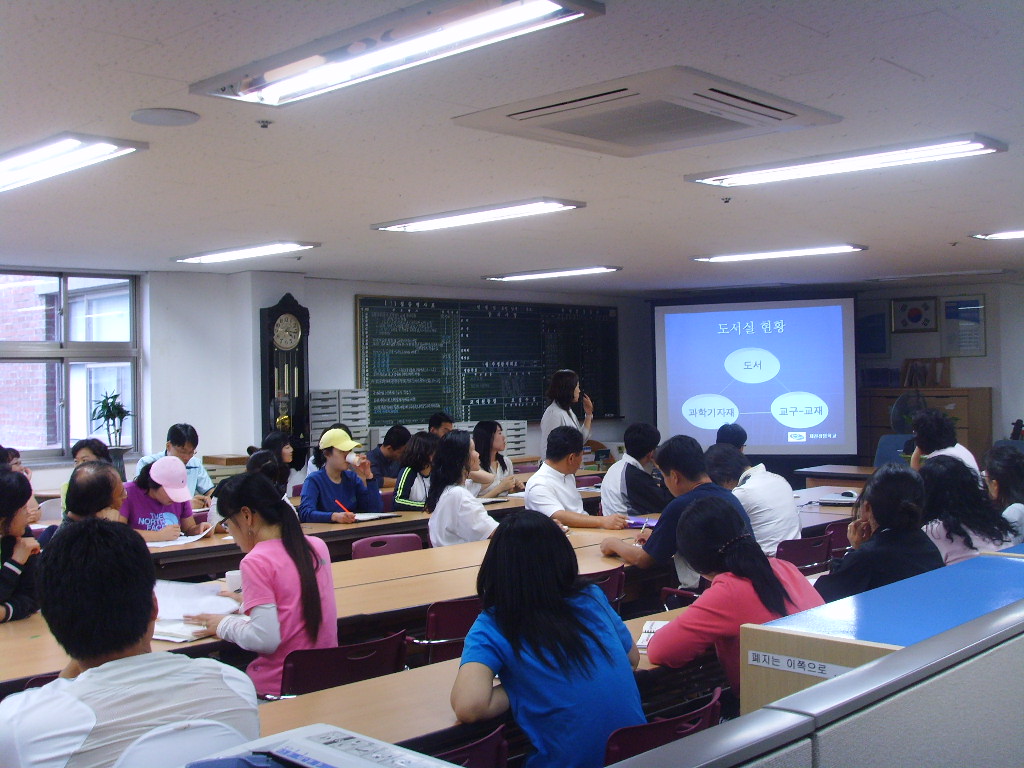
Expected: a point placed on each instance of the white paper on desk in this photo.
(650, 627)
(518, 495)
(178, 598)
(181, 539)
(177, 631)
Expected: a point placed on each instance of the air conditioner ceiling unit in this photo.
(656, 111)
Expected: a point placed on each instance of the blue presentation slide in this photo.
(782, 373)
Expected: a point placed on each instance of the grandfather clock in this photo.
(284, 366)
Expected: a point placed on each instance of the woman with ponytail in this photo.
(887, 540)
(746, 588)
(287, 588)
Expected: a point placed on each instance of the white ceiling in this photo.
(894, 70)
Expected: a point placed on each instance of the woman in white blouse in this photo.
(456, 515)
(563, 392)
(489, 441)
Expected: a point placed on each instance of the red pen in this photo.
(343, 507)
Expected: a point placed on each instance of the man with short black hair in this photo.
(733, 434)
(681, 461)
(440, 424)
(182, 441)
(95, 586)
(767, 497)
(552, 488)
(386, 459)
(629, 488)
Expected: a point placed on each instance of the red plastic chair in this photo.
(387, 500)
(612, 582)
(388, 544)
(681, 597)
(489, 752)
(448, 623)
(628, 742)
(840, 540)
(522, 469)
(587, 481)
(319, 668)
(810, 555)
(40, 680)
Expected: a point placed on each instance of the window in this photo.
(65, 342)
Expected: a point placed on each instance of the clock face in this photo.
(287, 332)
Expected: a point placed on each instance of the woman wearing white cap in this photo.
(158, 502)
(344, 486)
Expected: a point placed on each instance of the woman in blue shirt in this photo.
(341, 488)
(564, 657)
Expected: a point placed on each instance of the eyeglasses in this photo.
(181, 453)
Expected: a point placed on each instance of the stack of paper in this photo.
(650, 627)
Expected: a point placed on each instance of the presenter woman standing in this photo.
(563, 392)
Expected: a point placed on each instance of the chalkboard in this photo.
(480, 360)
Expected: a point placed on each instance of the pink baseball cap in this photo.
(170, 473)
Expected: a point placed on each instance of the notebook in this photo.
(650, 627)
(640, 522)
(365, 517)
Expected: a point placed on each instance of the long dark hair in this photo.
(266, 463)
(258, 494)
(1005, 465)
(711, 537)
(527, 576)
(896, 495)
(276, 441)
(483, 439)
(563, 387)
(420, 450)
(451, 460)
(953, 496)
(15, 491)
(318, 456)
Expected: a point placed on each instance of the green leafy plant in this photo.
(112, 412)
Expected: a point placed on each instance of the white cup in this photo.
(354, 458)
(234, 581)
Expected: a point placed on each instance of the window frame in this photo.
(65, 352)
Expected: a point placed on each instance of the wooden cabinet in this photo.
(970, 407)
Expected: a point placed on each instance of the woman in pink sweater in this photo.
(746, 588)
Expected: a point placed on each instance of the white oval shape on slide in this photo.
(799, 410)
(710, 411)
(752, 365)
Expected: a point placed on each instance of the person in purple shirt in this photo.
(344, 486)
(158, 503)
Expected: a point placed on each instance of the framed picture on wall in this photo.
(914, 315)
(963, 326)
(871, 328)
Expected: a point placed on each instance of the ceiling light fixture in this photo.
(1011, 235)
(824, 250)
(248, 252)
(863, 160)
(424, 32)
(963, 273)
(467, 216)
(546, 273)
(60, 154)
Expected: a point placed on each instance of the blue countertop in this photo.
(918, 608)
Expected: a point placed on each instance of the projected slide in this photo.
(783, 370)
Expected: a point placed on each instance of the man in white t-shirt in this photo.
(935, 435)
(629, 488)
(552, 488)
(766, 497)
(98, 574)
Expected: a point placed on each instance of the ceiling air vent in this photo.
(655, 111)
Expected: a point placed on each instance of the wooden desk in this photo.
(845, 475)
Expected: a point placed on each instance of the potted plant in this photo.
(112, 412)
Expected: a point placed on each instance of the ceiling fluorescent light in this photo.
(863, 160)
(546, 273)
(467, 216)
(963, 273)
(1011, 235)
(249, 252)
(424, 32)
(824, 250)
(59, 154)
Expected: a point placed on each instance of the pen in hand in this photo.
(636, 539)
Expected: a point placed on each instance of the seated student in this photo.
(456, 516)
(287, 586)
(746, 588)
(17, 549)
(681, 460)
(89, 449)
(440, 424)
(935, 435)
(732, 434)
(959, 517)
(386, 458)
(333, 494)
(96, 590)
(317, 459)
(157, 502)
(629, 488)
(266, 463)
(414, 477)
(1004, 475)
(766, 497)
(887, 540)
(279, 444)
(12, 458)
(94, 490)
(552, 488)
(564, 657)
(182, 441)
(489, 439)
